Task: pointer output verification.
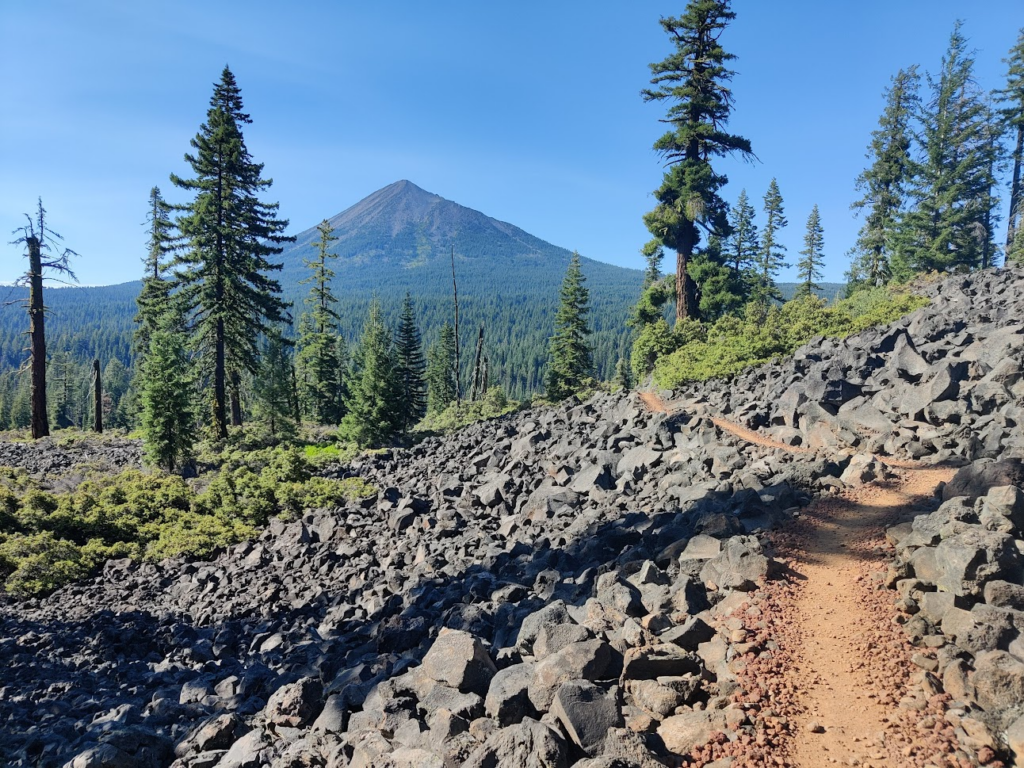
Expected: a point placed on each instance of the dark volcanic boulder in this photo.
(976, 479)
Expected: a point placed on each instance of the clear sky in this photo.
(527, 111)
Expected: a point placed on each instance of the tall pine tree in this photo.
(813, 256)
(319, 369)
(1011, 111)
(228, 235)
(273, 387)
(571, 361)
(412, 402)
(950, 228)
(771, 255)
(373, 385)
(884, 184)
(441, 371)
(743, 245)
(154, 299)
(168, 424)
(694, 80)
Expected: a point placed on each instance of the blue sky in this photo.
(529, 112)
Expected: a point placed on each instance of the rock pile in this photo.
(958, 573)
(556, 587)
(944, 384)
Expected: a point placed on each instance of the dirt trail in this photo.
(850, 664)
(847, 685)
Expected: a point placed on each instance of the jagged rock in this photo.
(295, 705)
(586, 712)
(508, 699)
(977, 479)
(529, 744)
(682, 733)
(740, 566)
(998, 680)
(589, 660)
(459, 660)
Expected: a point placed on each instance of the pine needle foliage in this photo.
(570, 363)
(884, 185)
(813, 256)
(412, 402)
(227, 238)
(694, 81)
(318, 358)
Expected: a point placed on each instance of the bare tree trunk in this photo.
(37, 336)
(1013, 219)
(296, 410)
(475, 392)
(97, 397)
(236, 400)
(455, 293)
(485, 385)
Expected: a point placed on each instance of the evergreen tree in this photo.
(228, 235)
(273, 387)
(722, 290)
(63, 412)
(653, 254)
(1011, 101)
(951, 225)
(742, 247)
(694, 80)
(412, 403)
(771, 255)
(570, 362)
(373, 386)
(167, 419)
(318, 366)
(154, 300)
(884, 183)
(441, 371)
(813, 256)
(623, 374)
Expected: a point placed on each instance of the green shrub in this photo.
(38, 563)
(47, 539)
(734, 343)
(494, 403)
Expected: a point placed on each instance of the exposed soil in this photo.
(834, 691)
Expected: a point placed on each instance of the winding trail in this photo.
(849, 663)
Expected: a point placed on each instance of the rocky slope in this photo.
(554, 588)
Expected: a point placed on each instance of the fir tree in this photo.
(813, 256)
(63, 414)
(951, 225)
(412, 403)
(318, 366)
(373, 386)
(154, 300)
(741, 251)
(623, 374)
(771, 255)
(884, 183)
(167, 419)
(273, 387)
(570, 362)
(694, 80)
(1011, 101)
(722, 290)
(441, 371)
(653, 254)
(228, 235)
